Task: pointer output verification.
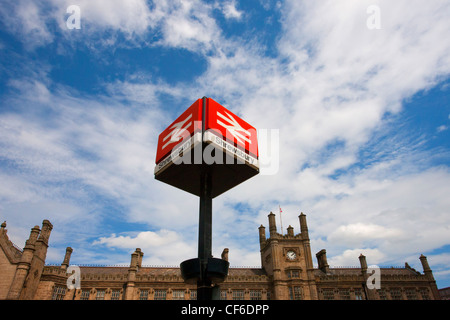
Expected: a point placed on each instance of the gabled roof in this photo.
(11, 251)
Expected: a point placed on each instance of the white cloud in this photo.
(229, 10)
(162, 247)
(349, 258)
(25, 18)
(357, 233)
(188, 25)
(185, 24)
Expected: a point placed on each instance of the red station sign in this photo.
(206, 122)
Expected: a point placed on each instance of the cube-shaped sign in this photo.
(207, 134)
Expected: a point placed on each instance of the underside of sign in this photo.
(228, 166)
(221, 143)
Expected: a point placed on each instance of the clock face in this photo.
(291, 255)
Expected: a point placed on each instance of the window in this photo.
(85, 294)
(178, 295)
(344, 294)
(238, 294)
(160, 294)
(382, 294)
(100, 295)
(295, 293)
(143, 294)
(424, 294)
(358, 294)
(193, 294)
(58, 293)
(396, 294)
(255, 294)
(411, 293)
(298, 293)
(115, 294)
(223, 294)
(292, 274)
(328, 294)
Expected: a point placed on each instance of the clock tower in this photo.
(287, 259)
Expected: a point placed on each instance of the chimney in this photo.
(140, 254)
(33, 237)
(38, 261)
(272, 225)
(426, 267)
(322, 261)
(290, 231)
(134, 261)
(303, 226)
(66, 261)
(23, 267)
(363, 263)
(45, 231)
(262, 236)
(429, 274)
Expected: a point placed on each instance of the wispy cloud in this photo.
(230, 11)
(158, 247)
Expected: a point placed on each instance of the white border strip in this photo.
(209, 138)
(231, 149)
(176, 151)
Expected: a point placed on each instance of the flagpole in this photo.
(281, 222)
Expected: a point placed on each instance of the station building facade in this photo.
(286, 273)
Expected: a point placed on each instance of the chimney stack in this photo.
(303, 226)
(66, 261)
(322, 261)
(272, 225)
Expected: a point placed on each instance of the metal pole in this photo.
(204, 289)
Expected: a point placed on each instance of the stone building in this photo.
(445, 293)
(287, 273)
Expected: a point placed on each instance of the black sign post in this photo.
(204, 289)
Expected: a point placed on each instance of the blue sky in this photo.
(362, 116)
